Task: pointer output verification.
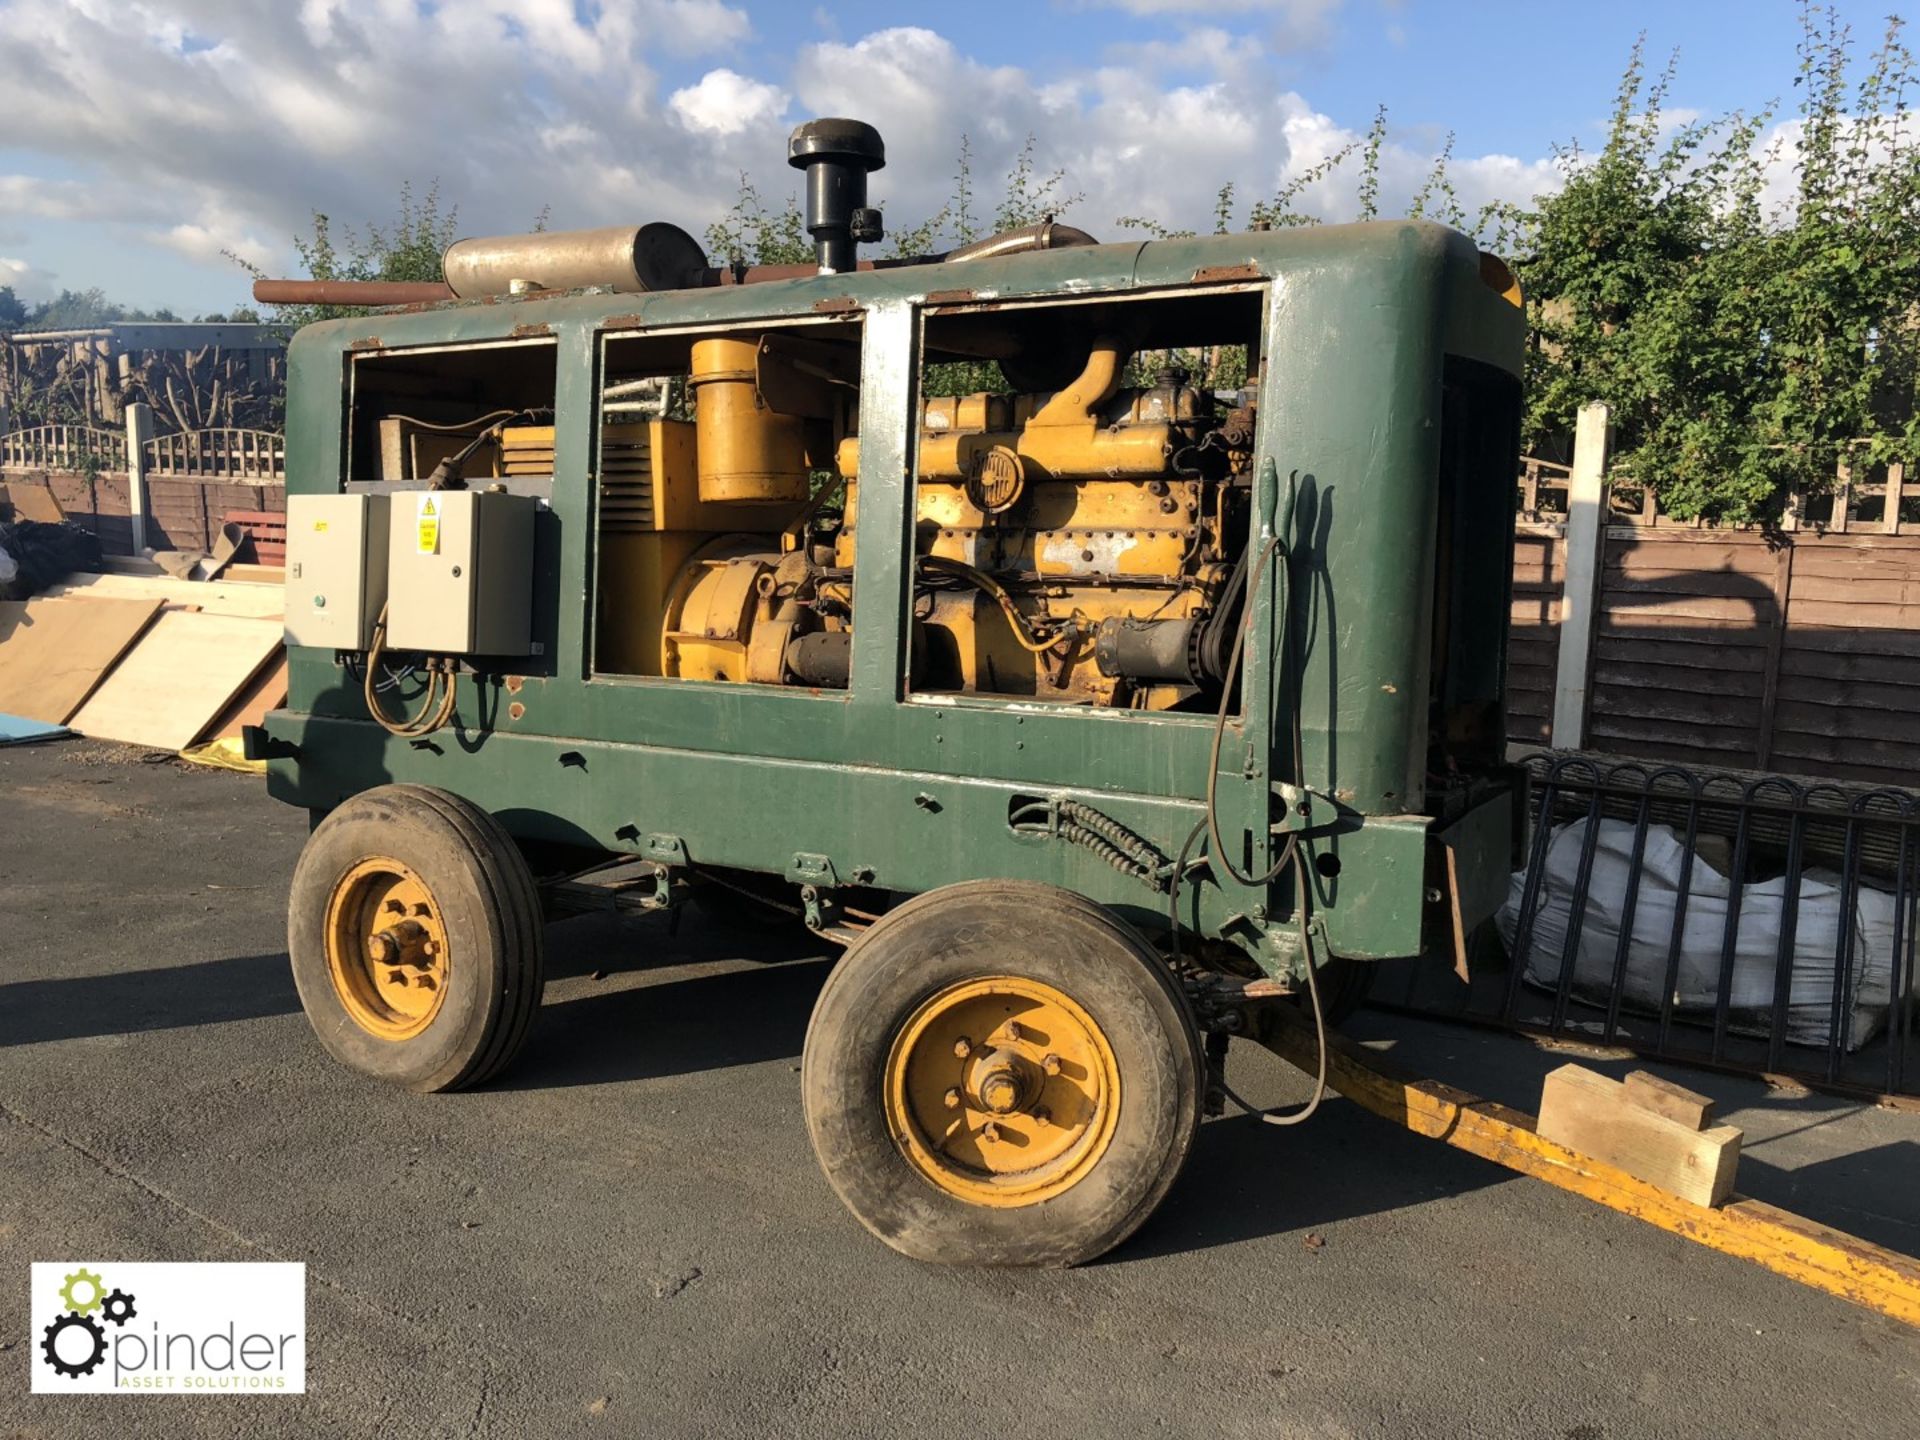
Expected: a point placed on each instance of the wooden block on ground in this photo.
(54, 652)
(184, 672)
(1663, 1097)
(266, 691)
(1593, 1115)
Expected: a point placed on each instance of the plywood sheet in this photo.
(266, 691)
(53, 652)
(183, 673)
(215, 597)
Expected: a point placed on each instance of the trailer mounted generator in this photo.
(1103, 643)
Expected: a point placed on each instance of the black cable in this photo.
(1274, 546)
(1290, 850)
(1295, 1117)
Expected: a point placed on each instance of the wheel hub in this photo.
(1002, 1091)
(387, 948)
(998, 1084)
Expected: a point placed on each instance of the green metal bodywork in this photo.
(870, 786)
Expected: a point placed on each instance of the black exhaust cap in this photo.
(838, 155)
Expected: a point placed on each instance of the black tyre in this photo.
(414, 931)
(1001, 1073)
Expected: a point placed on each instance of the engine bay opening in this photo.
(1083, 487)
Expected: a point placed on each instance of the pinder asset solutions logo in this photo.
(183, 1329)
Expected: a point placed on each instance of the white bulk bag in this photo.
(1697, 982)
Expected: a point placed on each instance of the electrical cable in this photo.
(1295, 1117)
(1290, 851)
(446, 475)
(1274, 546)
(455, 427)
(436, 707)
(980, 580)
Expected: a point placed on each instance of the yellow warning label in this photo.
(429, 527)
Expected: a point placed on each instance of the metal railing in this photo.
(1746, 922)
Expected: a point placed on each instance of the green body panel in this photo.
(1360, 322)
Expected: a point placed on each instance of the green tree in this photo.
(85, 309)
(408, 247)
(1745, 355)
(751, 234)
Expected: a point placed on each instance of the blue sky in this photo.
(245, 116)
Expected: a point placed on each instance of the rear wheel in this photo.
(414, 931)
(1001, 1073)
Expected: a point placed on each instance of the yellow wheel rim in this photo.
(387, 949)
(1002, 1091)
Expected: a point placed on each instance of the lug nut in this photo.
(1043, 1116)
(1051, 1064)
(963, 1047)
(990, 1131)
(951, 1099)
(1014, 1031)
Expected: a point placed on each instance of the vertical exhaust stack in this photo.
(837, 156)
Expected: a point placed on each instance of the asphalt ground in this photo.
(627, 1235)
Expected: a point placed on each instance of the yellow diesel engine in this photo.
(1069, 545)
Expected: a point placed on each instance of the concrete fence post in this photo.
(1580, 594)
(139, 432)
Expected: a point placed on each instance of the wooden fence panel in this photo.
(1794, 652)
(1533, 634)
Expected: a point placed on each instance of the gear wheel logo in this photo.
(76, 1342)
(92, 1284)
(74, 1369)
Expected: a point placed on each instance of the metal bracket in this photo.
(667, 849)
(1304, 810)
(812, 870)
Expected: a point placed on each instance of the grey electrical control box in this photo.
(460, 572)
(336, 569)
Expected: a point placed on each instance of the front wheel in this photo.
(1001, 1073)
(414, 930)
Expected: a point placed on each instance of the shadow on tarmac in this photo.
(126, 1002)
(1244, 1181)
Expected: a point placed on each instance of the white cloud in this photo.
(41, 198)
(213, 244)
(725, 102)
(28, 282)
(1294, 24)
(1130, 142)
(245, 119)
